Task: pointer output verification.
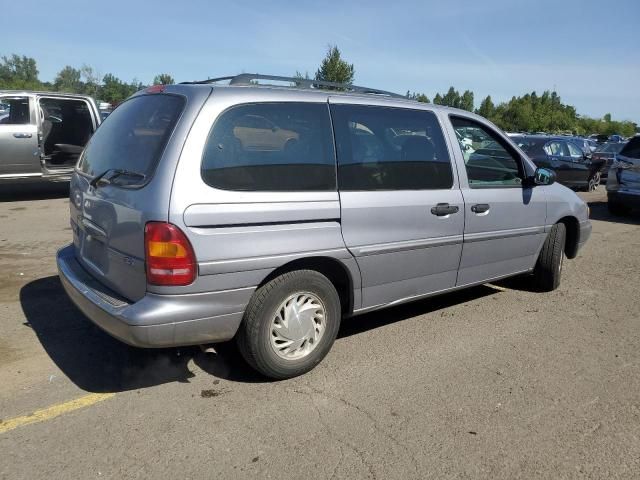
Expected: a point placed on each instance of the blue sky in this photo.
(588, 50)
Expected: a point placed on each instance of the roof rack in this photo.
(250, 79)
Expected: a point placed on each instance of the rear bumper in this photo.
(154, 320)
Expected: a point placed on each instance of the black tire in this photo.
(618, 209)
(254, 335)
(548, 269)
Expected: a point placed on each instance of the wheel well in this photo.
(331, 268)
(573, 231)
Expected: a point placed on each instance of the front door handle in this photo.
(480, 208)
(444, 209)
(22, 135)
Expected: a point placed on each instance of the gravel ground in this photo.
(491, 382)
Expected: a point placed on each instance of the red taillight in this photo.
(155, 89)
(169, 257)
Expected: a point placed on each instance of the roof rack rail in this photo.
(250, 79)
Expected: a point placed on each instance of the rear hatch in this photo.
(118, 187)
(628, 165)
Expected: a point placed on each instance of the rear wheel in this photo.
(594, 182)
(290, 324)
(548, 269)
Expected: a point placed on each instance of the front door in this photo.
(19, 153)
(401, 208)
(504, 221)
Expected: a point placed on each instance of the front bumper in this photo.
(584, 233)
(154, 320)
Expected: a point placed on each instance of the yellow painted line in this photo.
(496, 287)
(53, 411)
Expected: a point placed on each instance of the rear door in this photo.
(561, 162)
(580, 166)
(119, 186)
(401, 206)
(19, 152)
(504, 220)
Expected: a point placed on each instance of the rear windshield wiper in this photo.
(115, 172)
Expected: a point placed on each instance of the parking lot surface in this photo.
(492, 382)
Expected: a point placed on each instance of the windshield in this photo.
(611, 148)
(133, 137)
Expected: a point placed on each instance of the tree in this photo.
(334, 69)
(438, 99)
(68, 80)
(487, 109)
(466, 101)
(19, 72)
(91, 80)
(163, 79)
(419, 97)
(451, 98)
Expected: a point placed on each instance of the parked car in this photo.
(186, 233)
(607, 153)
(623, 184)
(43, 134)
(616, 139)
(573, 166)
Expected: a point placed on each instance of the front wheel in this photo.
(290, 324)
(548, 269)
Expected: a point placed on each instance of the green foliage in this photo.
(487, 108)
(19, 73)
(68, 80)
(438, 99)
(466, 101)
(418, 97)
(114, 90)
(163, 79)
(334, 69)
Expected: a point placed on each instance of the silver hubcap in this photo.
(297, 326)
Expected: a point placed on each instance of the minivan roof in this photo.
(34, 93)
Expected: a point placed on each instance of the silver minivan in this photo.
(203, 212)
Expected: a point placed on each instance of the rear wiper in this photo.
(115, 172)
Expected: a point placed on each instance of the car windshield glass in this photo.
(133, 137)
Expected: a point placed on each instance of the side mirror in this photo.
(544, 176)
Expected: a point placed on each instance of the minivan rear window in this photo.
(133, 137)
(271, 147)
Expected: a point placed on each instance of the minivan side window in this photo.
(489, 160)
(575, 153)
(383, 148)
(271, 147)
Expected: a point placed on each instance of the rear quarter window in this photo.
(133, 136)
(271, 147)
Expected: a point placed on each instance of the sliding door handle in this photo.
(480, 208)
(22, 135)
(444, 209)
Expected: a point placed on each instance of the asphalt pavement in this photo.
(493, 382)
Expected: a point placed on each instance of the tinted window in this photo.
(15, 111)
(382, 148)
(557, 149)
(133, 136)
(271, 147)
(488, 159)
(574, 151)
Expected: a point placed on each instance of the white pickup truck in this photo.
(43, 133)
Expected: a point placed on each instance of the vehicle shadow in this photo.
(11, 192)
(96, 362)
(600, 211)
